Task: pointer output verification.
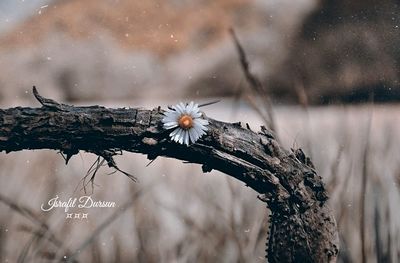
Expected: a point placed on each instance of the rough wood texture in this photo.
(302, 226)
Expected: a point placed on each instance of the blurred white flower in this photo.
(187, 121)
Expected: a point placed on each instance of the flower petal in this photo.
(168, 110)
(189, 108)
(186, 139)
(193, 135)
(166, 120)
(170, 125)
(182, 106)
(171, 115)
(199, 129)
(199, 126)
(181, 136)
(177, 109)
(174, 132)
(202, 122)
(177, 135)
(196, 115)
(169, 120)
(196, 107)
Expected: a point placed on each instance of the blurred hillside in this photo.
(346, 51)
(78, 50)
(319, 51)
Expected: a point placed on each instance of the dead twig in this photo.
(255, 84)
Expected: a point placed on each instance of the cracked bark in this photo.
(302, 227)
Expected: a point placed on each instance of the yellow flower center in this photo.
(185, 122)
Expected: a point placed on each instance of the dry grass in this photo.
(177, 214)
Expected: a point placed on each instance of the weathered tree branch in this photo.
(302, 226)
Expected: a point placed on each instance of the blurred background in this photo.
(330, 75)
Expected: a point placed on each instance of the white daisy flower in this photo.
(187, 121)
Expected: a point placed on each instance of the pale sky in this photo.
(12, 11)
